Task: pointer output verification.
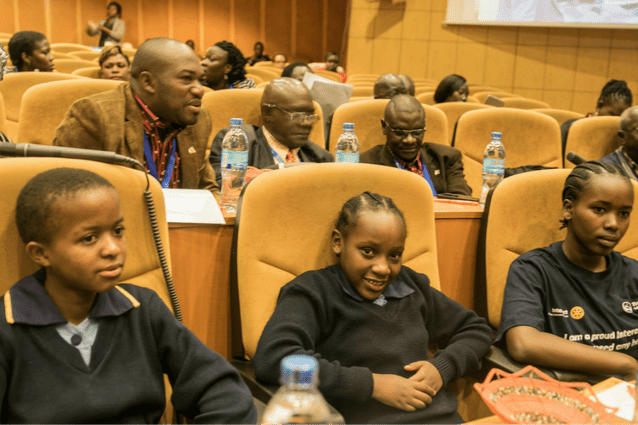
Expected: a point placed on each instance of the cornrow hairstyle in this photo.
(35, 207)
(236, 59)
(580, 176)
(365, 202)
(23, 42)
(615, 90)
(447, 86)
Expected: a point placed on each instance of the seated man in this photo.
(296, 70)
(157, 118)
(387, 86)
(408, 83)
(404, 127)
(288, 115)
(626, 156)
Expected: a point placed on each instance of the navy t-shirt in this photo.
(547, 291)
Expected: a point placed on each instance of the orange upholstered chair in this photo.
(67, 66)
(560, 115)
(59, 55)
(264, 72)
(69, 47)
(482, 95)
(88, 72)
(264, 63)
(421, 89)
(359, 91)
(453, 111)
(85, 54)
(329, 75)
(523, 103)
(44, 106)
(427, 98)
(593, 138)
(529, 138)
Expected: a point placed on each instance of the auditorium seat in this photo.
(265, 73)
(475, 88)
(363, 77)
(420, 89)
(130, 53)
(560, 115)
(44, 106)
(367, 115)
(453, 111)
(67, 66)
(358, 98)
(88, 72)
(3, 116)
(426, 98)
(529, 138)
(264, 63)
(262, 85)
(278, 236)
(472, 99)
(593, 138)
(69, 47)
(59, 55)
(6, 35)
(482, 95)
(256, 78)
(13, 87)
(85, 54)
(329, 75)
(361, 83)
(524, 103)
(424, 82)
(363, 90)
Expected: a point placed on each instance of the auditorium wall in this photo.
(565, 67)
(303, 29)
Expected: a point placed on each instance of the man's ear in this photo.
(336, 241)
(38, 253)
(148, 82)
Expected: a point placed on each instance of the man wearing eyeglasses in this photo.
(288, 115)
(404, 127)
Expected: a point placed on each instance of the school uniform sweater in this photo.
(43, 379)
(320, 314)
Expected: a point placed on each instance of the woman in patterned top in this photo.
(224, 68)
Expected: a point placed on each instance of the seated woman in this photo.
(30, 51)
(452, 88)
(114, 64)
(614, 98)
(573, 305)
(369, 321)
(224, 68)
(258, 55)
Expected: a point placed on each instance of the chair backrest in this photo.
(593, 138)
(363, 91)
(482, 95)
(67, 66)
(88, 72)
(453, 111)
(69, 47)
(256, 78)
(265, 73)
(15, 85)
(361, 83)
(85, 54)
(421, 89)
(44, 106)
(60, 55)
(363, 77)
(523, 103)
(529, 138)
(264, 63)
(226, 104)
(426, 98)
(3, 116)
(279, 236)
(330, 75)
(560, 115)
(472, 99)
(359, 98)
(367, 115)
(130, 53)
(516, 224)
(475, 88)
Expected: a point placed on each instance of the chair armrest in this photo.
(260, 391)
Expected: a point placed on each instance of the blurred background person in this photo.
(258, 55)
(112, 28)
(452, 88)
(330, 63)
(279, 60)
(296, 70)
(224, 68)
(114, 64)
(30, 51)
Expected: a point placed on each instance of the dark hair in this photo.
(23, 42)
(287, 71)
(364, 202)
(615, 90)
(447, 86)
(280, 54)
(118, 6)
(259, 43)
(236, 59)
(36, 201)
(325, 58)
(110, 51)
(581, 175)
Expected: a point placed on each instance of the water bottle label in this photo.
(347, 157)
(234, 159)
(493, 166)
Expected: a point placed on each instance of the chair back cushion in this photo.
(88, 72)
(522, 103)
(560, 115)
(453, 111)
(69, 47)
(593, 138)
(67, 66)
(426, 98)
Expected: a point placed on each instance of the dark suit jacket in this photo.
(111, 121)
(259, 153)
(444, 165)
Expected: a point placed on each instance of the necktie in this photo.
(290, 157)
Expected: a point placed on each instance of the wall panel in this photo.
(278, 22)
(216, 22)
(247, 25)
(32, 15)
(309, 31)
(61, 15)
(7, 16)
(155, 13)
(90, 11)
(186, 20)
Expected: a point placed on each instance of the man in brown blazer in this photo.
(157, 118)
(404, 126)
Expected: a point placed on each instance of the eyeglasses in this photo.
(418, 132)
(295, 116)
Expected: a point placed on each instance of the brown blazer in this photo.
(111, 121)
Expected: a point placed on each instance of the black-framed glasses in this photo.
(417, 132)
(295, 116)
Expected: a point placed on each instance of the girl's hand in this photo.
(401, 393)
(426, 373)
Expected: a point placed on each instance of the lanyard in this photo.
(152, 168)
(426, 174)
(276, 156)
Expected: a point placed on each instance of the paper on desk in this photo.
(327, 93)
(191, 206)
(620, 396)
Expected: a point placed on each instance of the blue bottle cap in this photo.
(496, 135)
(299, 371)
(236, 121)
(348, 126)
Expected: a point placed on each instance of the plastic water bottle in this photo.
(493, 165)
(347, 149)
(298, 401)
(234, 164)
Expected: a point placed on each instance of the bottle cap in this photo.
(299, 371)
(496, 135)
(236, 121)
(348, 126)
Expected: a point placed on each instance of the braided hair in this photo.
(236, 59)
(582, 174)
(615, 90)
(364, 202)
